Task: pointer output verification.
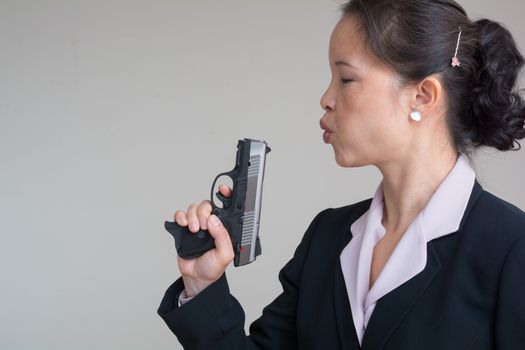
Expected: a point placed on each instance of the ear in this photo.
(427, 95)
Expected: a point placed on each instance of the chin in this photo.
(347, 161)
(342, 161)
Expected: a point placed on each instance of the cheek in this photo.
(369, 119)
(357, 113)
(348, 111)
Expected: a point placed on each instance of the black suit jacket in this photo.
(471, 294)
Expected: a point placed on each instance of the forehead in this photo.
(348, 42)
(346, 37)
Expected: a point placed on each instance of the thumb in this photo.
(223, 243)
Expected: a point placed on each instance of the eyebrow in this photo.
(344, 63)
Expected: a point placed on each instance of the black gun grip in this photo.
(188, 244)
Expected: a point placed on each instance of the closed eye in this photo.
(344, 81)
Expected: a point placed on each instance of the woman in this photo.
(432, 261)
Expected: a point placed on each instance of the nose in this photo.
(327, 101)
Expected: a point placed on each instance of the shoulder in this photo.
(496, 222)
(499, 211)
(502, 206)
(327, 233)
(343, 215)
(331, 224)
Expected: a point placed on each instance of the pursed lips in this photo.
(324, 126)
(327, 131)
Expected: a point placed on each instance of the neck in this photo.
(409, 183)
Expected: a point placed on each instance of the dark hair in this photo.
(417, 38)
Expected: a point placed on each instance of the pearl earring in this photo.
(416, 115)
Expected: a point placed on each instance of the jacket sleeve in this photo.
(214, 319)
(510, 308)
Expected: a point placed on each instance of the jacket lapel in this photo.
(343, 312)
(392, 307)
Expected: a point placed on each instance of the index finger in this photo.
(225, 190)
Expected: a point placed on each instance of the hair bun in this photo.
(498, 110)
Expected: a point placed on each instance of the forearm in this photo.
(213, 319)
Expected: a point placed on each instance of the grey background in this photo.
(113, 114)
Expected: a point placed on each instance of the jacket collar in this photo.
(441, 215)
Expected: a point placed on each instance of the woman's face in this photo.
(365, 116)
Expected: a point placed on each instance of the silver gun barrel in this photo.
(252, 212)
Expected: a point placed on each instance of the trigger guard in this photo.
(226, 202)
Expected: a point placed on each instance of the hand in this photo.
(200, 272)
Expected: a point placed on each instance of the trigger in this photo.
(226, 202)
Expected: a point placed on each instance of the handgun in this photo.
(240, 213)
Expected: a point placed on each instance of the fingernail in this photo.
(214, 220)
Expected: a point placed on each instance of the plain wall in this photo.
(114, 114)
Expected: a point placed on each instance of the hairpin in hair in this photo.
(455, 61)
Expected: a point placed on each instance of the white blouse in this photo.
(442, 215)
